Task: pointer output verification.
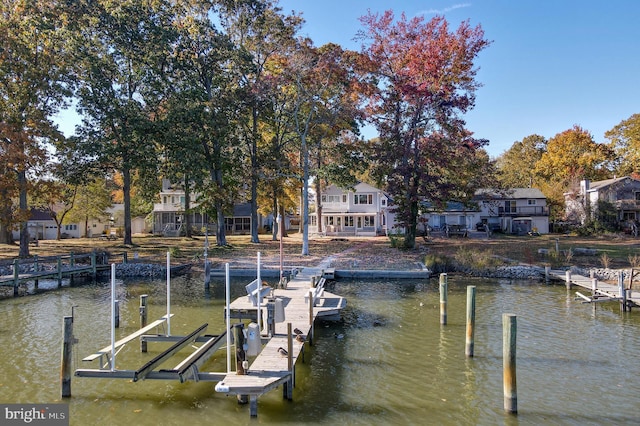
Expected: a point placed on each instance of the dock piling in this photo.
(509, 329)
(471, 320)
(443, 298)
(143, 320)
(567, 279)
(287, 389)
(238, 340)
(65, 369)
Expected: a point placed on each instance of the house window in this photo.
(363, 199)
(383, 202)
(242, 223)
(331, 198)
(164, 199)
(70, 227)
(313, 220)
(369, 220)
(344, 198)
(531, 202)
(348, 221)
(638, 196)
(510, 206)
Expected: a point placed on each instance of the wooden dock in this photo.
(55, 267)
(600, 291)
(304, 300)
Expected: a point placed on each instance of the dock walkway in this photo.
(600, 291)
(272, 367)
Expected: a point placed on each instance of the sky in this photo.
(552, 64)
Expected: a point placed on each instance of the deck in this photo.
(270, 368)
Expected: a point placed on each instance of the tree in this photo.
(260, 32)
(625, 141)
(571, 156)
(122, 54)
(92, 200)
(421, 79)
(34, 84)
(517, 164)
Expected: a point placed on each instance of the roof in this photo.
(510, 194)
(600, 184)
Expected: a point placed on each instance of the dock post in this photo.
(125, 257)
(594, 287)
(94, 269)
(143, 320)
(116, 310)
(36, 269)
(471, 320)
(547, 272)
(443, 298)
(238, 341)
(253, 405)
(207, 274)
(310, 336)
(287, 389)
(271, 318)
(65, 369)
(59, 271)
(567, 279)
(623, 293)
(509, 329)
(16, 276)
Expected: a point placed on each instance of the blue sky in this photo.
(552, 63)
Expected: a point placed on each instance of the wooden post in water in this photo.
(623, 293)
(567, 279)
(72, 264)
(207, 274)
(471, 320)
(65, 368)
(287, 389)
(36, 269)
(443, 298)
(310, 336)
(59, 271)
(547, 272)
(143, 320)
(116, 310)
(509, 329)
(16, 276)
(94, 269)
(238, 339)
(594, 287)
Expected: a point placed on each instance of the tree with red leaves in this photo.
(421, 80)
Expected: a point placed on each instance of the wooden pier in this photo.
(600, 291)
(53, 267)
(304, 300)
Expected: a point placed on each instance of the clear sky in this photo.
(552, 63)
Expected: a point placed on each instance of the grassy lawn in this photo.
(365, 253)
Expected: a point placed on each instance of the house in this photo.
(513, 211)
(363, 211)
(622, 194)
(169, 215)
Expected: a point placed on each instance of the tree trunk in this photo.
(126, 190)
(275, 228)
(24, 226)
(304, 220)
(187, 208)
(221, 238)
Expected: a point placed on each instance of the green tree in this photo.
(122, 53)
(421, 80)
(34, 84)
(92, 200)
(625, 141)
(517, 165)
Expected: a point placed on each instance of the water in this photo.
(389, 362)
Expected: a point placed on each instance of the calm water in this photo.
(392, 362)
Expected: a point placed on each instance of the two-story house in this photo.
(169, 215)
(363, 211)
(513, 211)
(622, 194)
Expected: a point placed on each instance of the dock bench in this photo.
(255, 289)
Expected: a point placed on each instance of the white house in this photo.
(513, 211)
(363, 211)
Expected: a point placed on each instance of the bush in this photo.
(438, 263)
(476, 259)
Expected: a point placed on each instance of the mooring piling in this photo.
(509, 329)
(65, 368)
(471, 320)
(443, 298)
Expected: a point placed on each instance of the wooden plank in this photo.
(149, 366)
(127, 339)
